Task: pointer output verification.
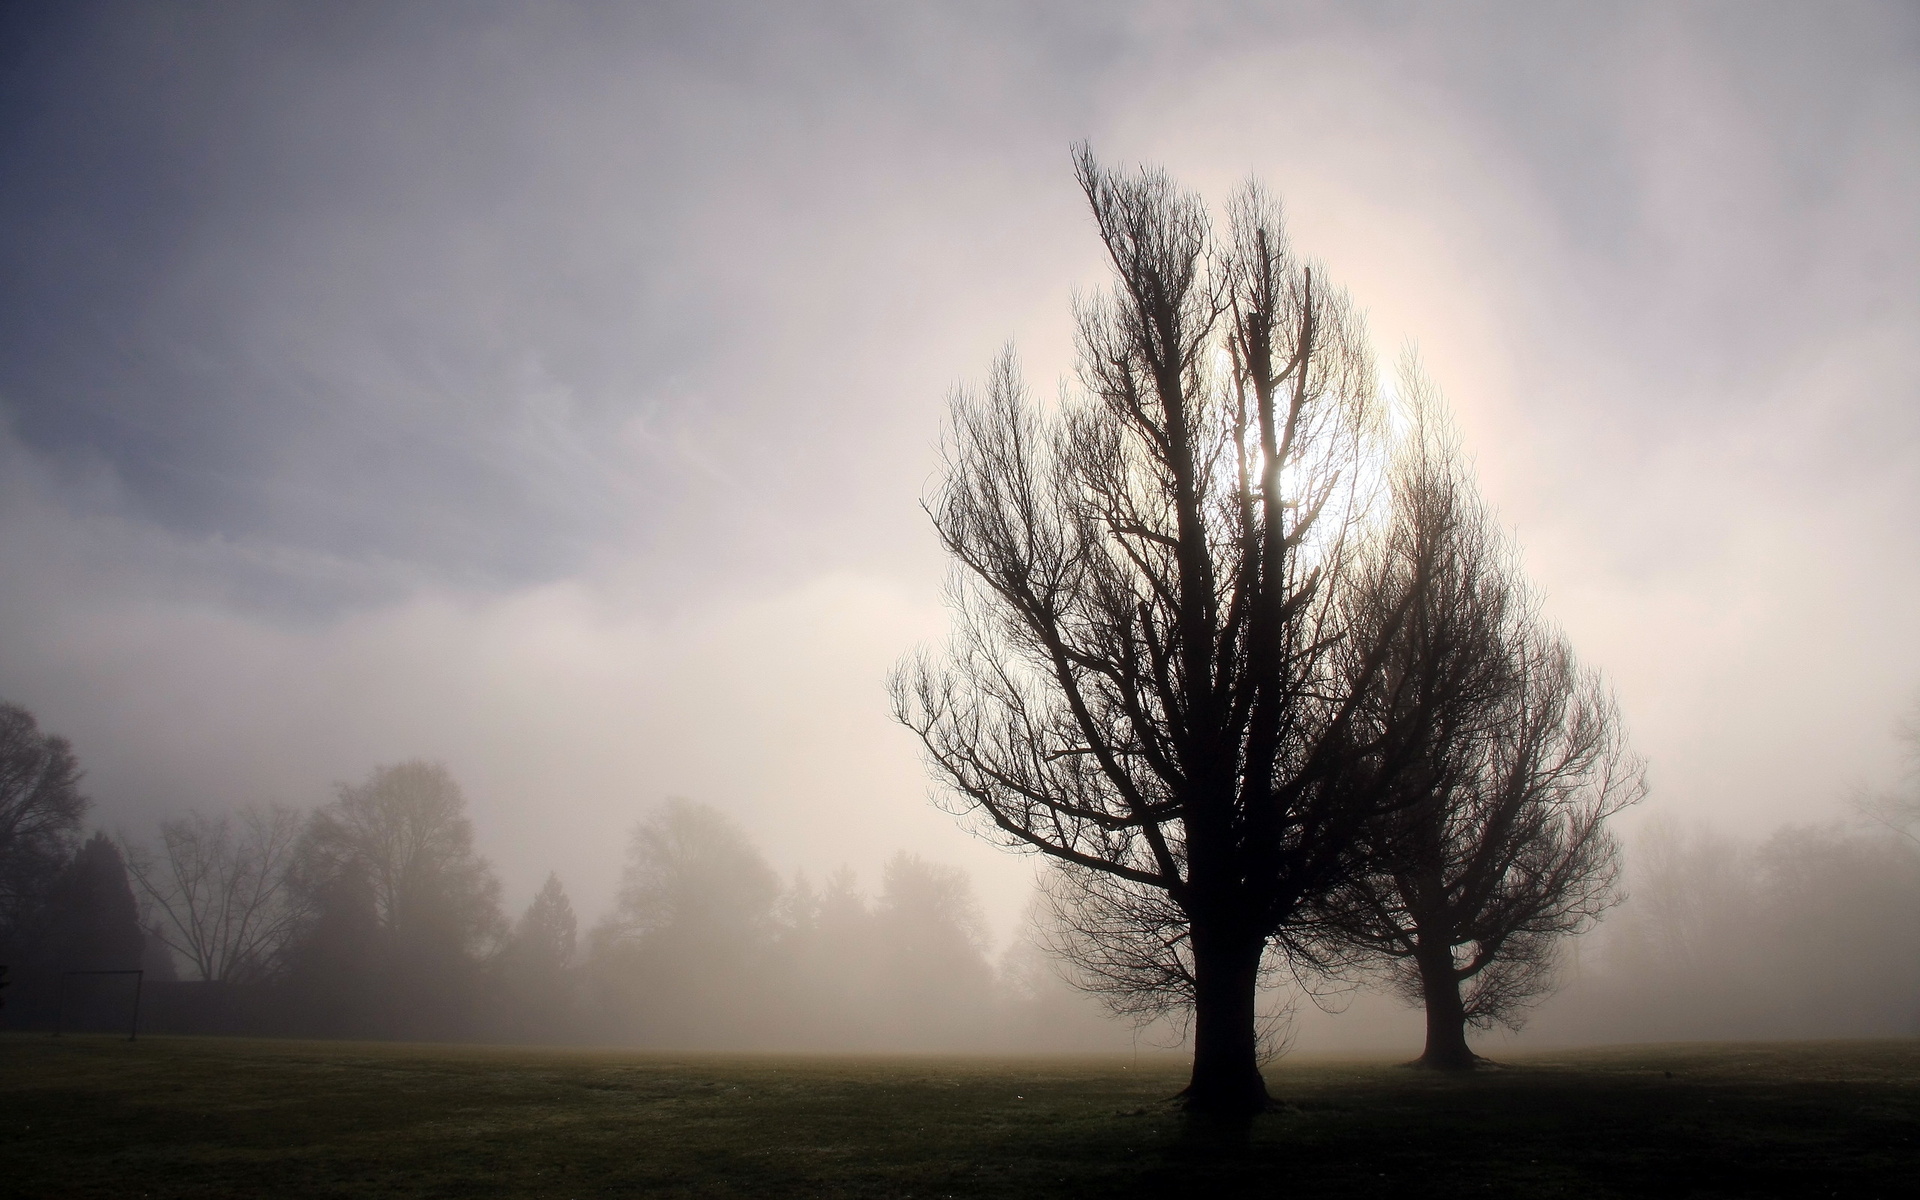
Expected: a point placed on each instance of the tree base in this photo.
(1451, 1062)
(1238, 1104)
(1215, 1131)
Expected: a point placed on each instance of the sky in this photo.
(550, 389)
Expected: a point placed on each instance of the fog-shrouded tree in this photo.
(827, 952)
(41, 807)
(535, 968)
(220, 890)
(340, 961)
(404, 831)
(1151, 678)
(680, 960)
(1500, 849)
(933, 981)
(691, 870)
(548, 931)
(93, 923)
(403, 910)
(1805, 932)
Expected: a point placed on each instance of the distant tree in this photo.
(842, 916)
(1805, 933)
(40, 812)
(548, 931)
(1690, 889)
(681, 959)
(1150, 679)
(827, 961)
(934, 981)
(340, 963)
(1499, 848)
(405, 831)
(535, 981)
(93, 923)
(222, 890)
(391, 862)
(1838, 916)
(692, 871)
(1040, 1010)
(1482, 883)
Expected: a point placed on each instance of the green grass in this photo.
(93, 1116)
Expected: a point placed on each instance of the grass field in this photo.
(163, 1117)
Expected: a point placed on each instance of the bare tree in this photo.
(405, 832)
(1149, 679)
(405, 913)
(1500, 849)
(222, 890)
(40, 811)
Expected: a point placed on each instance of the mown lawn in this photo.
(94, 1116)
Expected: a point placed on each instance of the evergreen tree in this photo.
(534, 997)
(92, 921)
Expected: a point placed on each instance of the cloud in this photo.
(567, 710)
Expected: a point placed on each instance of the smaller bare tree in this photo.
(219, 890)
(1500, 848)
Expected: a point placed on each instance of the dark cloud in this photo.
(479, 287)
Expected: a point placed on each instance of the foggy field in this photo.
(95, 1116)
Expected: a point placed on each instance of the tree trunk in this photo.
(1446, 1015)
(1226, 1067)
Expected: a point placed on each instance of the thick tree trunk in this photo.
(1446, 1015)
(1226, 1066)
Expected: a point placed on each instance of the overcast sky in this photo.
(549, 389)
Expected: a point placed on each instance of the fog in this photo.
(548, 391)
(1806, 932)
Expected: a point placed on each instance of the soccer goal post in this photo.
(60, 1002)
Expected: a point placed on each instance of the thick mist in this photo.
(373, 915)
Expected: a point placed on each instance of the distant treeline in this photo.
(1808, 932)
(373, 917)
